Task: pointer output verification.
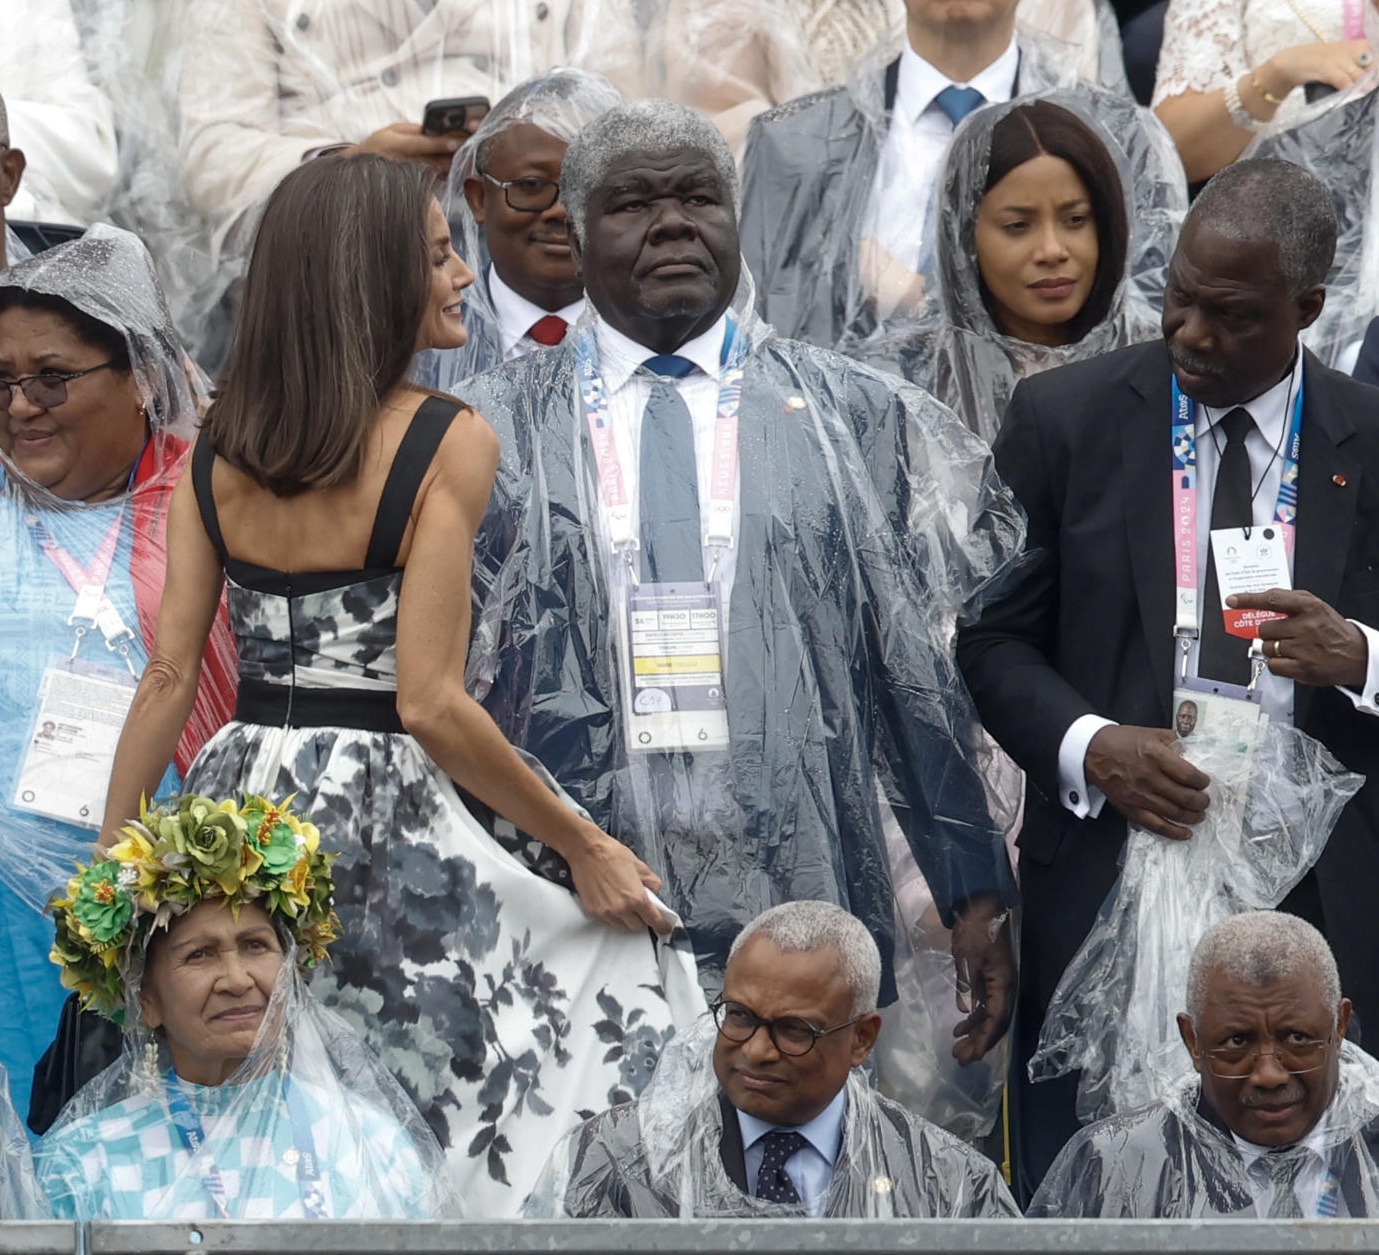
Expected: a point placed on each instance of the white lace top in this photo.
(1208, 43)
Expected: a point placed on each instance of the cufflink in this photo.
(1074, 799)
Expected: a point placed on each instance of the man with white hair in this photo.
(723, 570)
(783, 1123)
(1281, 1119)
(11, 172)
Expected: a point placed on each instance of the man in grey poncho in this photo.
(780, 1122)
(719, 576)
(1281, 1120)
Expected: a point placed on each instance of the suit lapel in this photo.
(1328, 491)
(1144, 447)
(730, 1146)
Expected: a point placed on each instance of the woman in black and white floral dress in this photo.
(511, 994)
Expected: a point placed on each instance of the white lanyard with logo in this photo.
(81, 705)
(671, 635)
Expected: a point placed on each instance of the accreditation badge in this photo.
(672, 654)
(1250, 560)
(1228, 721)
(65, 771)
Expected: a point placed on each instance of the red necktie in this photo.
(549, 330)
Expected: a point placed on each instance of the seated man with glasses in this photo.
(1281, 1119)
(765, 1112)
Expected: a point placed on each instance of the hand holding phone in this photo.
(458, 117)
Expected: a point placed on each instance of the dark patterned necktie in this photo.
(1222, 656)
(773, 1184)
(668, 488)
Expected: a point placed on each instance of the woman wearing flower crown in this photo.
(238, 1096)
(507, 991)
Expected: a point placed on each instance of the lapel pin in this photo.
(1338, 480)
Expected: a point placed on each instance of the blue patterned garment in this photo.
(129, 1162)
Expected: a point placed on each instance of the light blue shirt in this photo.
(810, 1168)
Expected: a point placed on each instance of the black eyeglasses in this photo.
(1235, 1063)
(528, 196)
(47, 390)
(791, 1034)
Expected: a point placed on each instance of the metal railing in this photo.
(696, 1237)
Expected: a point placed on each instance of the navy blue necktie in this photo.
(1221, 656)
(958, 102)
(772, 1182)
(668, 489)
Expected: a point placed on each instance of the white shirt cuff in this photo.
(1074, 792)
(1367, 701)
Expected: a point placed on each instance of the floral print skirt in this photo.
(506, 1013)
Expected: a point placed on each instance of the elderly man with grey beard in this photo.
(721, 571)
(1280, 1120)
(765, 1112)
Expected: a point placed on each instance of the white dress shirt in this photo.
(919, 133)
(1310, 1182)
(810, 1168)
(1271, 412)
(517, 316)
(627, 390)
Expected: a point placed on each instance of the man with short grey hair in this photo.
(1281, 1120)
(1142, 472)
(11, 172)
(721, 573)
(782, 1123)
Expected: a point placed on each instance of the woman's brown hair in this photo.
(1042, 128)
(337, 288)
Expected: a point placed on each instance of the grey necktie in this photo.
(668, 487)
(1283, 1169)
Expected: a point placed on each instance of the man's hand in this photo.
(1145, 777)
(985, 961)
(404, 141)
(1313, 645)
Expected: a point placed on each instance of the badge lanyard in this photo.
(93, 608)
(1187, 622)
(612, 486)
(1354, 19)
(302, 1155)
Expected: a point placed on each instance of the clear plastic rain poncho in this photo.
(1275, 796)
(827, 261)
(20, 1197)
(677, 1153)
(953, 348)
(1334, 140)
(868, 519)
(68, 657)
(1175, 1159)
(309, 1126)
(561, 102)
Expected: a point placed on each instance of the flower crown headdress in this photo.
(176, 856)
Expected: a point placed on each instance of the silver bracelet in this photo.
(1239, 115)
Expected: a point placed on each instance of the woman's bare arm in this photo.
(167, 689)
(432, 642)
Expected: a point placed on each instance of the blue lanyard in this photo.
(302, 1155)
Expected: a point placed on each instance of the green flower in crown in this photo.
(102, 905)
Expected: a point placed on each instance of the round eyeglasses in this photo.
(791, 1035)
(528, 196)
(47, 391)
(1298, 1057)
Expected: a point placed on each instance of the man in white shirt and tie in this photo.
(1075, 670)
(1281, 1120)
(770, 1115)
(837, 185)
(703, 608)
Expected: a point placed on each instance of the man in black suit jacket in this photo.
(1073, 671)
(865, 519)
(770, 1115)
(1277, 1085)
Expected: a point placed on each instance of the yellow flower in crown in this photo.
(175, 856)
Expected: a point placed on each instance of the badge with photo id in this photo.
(71, 749)
(673, 668)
